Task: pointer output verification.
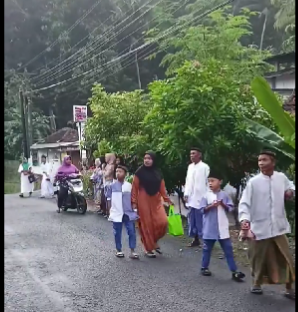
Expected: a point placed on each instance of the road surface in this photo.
(65, 262)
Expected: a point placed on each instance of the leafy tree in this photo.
(218, 37)
(285, 20)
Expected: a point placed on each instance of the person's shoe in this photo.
(21, 195)
(256, 290)
(205, 272)
(194, 243)
(238, 276)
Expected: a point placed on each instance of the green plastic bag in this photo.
(175, 223)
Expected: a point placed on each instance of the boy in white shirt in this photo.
(121, 212)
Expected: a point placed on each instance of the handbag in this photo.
(175, 223)
(31, 178)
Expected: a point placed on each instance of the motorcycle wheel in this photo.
(82, 205)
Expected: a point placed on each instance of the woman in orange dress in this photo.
(148, 189)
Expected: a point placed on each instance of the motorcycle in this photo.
(75, 198)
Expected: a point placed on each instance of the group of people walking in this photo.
(261, 209)
(262, 219)
(28, 178)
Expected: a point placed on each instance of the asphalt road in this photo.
(65, 262)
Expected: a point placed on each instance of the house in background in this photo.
(282, 79)
(55, 146)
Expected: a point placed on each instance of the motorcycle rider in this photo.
(65, 170)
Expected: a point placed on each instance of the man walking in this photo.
(196, 186)
(262, 215)
(47, 189)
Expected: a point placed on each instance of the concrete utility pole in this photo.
(25, 143)
(25, 104)
(30, 124)
(138, 70)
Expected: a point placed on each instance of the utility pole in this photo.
(138, 70)
(25, 145)
(25, 101)
(30, 124)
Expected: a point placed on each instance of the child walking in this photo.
(121, 212)
(214, 207)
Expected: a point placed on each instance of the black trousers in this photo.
(62, 195)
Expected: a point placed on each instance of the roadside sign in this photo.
(79, 113)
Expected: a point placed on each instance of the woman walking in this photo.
(148, 189)
(25, 169)
(97, 182)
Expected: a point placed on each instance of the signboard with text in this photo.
(79, 113)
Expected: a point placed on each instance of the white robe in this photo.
(26, 186)
(196, 184)
(46, 185)
(263, 205)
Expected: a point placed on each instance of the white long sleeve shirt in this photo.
(196, 184)
(263, 205)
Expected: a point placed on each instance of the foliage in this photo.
(285, 21)
(13, 131)
(211, 101)
(115, 124)
(219, 37)
(204, 105)
(283, 120)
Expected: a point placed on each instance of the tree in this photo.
(218, 37)
(115, 125)
(285, 20)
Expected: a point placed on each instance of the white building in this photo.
(282, 79)
(57, 145)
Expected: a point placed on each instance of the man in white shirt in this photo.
(46, 184)
(196, 186)
(262, 215)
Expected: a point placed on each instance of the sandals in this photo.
(238, 276)
(290, 294)
(194, 243)
(158, 250)
(150, 254)
(119, 254)
(256, 290)
(206, 272)
(134, 256)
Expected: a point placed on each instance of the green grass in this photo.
(12, 177)
(11, 187)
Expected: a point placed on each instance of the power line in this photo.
(69, 67)
(73, 26)
(123, 51)
(73, 55)
(166, 32)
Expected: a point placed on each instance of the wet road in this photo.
(66, 263)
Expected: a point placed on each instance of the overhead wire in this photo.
(58, 59)
(69, 67)
(149, 22)
(73, 26)
(155, 40)
(88, 45)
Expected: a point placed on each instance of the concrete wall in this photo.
(282, 82)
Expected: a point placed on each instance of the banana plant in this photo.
(285, 142)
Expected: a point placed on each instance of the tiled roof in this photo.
(63, 135)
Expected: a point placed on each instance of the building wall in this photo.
(54, 158)
(282, 82)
